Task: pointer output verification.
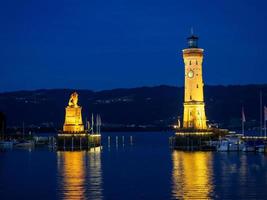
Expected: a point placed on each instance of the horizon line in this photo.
(128, 88)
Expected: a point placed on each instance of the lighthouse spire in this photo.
(192, 41)
(192, 31)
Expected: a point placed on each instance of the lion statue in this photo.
(73, 99)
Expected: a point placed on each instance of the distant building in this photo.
(194, 107)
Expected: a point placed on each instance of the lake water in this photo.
(147, 169)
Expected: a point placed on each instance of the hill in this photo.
(145, 106)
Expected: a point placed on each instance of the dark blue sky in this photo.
(103, 44)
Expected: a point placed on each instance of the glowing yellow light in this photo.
(72, 135)
(95, 135)
(81, 174)
(192, 175)
(193, 133)
(95, 150)
(72, 166)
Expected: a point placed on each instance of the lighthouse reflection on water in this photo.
(80, 174)
(192, 175)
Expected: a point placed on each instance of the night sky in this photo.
(104, 44)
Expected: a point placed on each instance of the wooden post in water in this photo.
(117, 141)
(171, 142)
(108, 141)
(131, 140)
(53, 142)
(64, 143)
(72, 143)
(94, 144)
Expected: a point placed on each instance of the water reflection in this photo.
(79, 175)
(241, 176)
(95, 174)
(192, 175)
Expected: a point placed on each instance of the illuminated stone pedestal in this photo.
(194, 115)
(191, 140)
(73, 120)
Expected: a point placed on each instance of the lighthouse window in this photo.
(197, 85)
(190, 97)
(190, 62)
(196, 62)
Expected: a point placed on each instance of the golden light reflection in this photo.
(72, 168)
(194, 133)
(80, 175)
(192, 175)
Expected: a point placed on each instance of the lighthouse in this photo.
(194, 116)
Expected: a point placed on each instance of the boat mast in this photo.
(99, 124)
(243, 120)
(23, 129)
(92, 123)
(261, 113)
(265, 119)
(88, 125)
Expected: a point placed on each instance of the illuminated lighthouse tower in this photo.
(194, 107)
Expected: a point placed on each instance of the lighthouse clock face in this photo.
(190, 74)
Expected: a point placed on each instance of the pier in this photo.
(74, 142)
(191, 140)
(254, 138)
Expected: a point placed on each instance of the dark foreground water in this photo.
(148, 169)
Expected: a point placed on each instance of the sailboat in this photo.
(98, 124)
(92, 124)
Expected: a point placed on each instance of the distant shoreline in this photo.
(126, 88)
(136, 109)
